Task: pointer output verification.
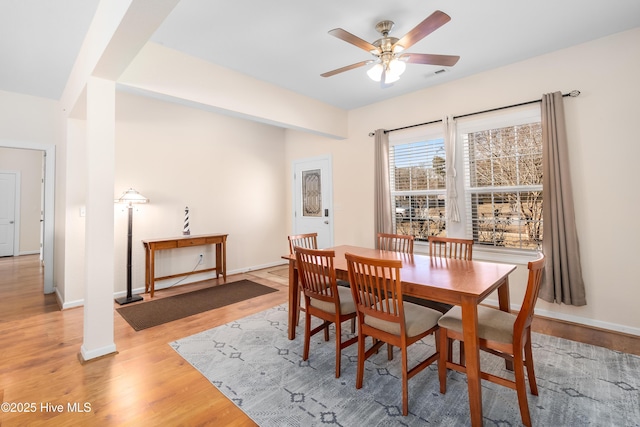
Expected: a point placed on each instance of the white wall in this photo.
(167, 73)
(228, 171)
(27, 118)
(603, 149)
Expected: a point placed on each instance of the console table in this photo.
(151, 246)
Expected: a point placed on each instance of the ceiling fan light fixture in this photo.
(391, 77)
(390, 60)
(397, 67)
(375, 72)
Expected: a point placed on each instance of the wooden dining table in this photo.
(451, 281)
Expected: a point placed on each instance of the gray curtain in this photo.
(383, 220)
(562, 281)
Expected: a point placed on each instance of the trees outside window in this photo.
(503, 169)
(502, 172)
(418, 186)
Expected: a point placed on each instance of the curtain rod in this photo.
(573, 94)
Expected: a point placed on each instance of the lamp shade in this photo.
(397, 67)
(132, 196)
(375, 72)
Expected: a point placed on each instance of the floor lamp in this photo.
(130, 197)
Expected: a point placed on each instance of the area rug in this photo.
(253, 363)
(162, 310)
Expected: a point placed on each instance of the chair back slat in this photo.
(308, 241)
(450, 247)
(525, 315)
(317, 273)
(395, 242)
(376, 287)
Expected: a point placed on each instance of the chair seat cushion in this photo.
(493, 324)
(347, 306)
(417, 319)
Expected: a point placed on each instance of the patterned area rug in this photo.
(253, 363)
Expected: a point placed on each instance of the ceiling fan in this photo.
(390, 62)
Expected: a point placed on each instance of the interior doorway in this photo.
(48, 193)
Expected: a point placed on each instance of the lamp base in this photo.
(129, 300)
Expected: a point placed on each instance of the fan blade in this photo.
(354, 40)
(431, 23)
(425, 58)
(343, 69)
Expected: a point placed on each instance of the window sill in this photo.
(510, 256)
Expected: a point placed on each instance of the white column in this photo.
(99, 237)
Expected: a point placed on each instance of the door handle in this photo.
(326, 222)
(10, 222)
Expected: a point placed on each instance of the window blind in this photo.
(503, 182)
(418, 185)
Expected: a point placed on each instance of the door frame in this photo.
(49, 203)
(16, 210)
(329, 187)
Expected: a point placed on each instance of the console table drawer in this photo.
(196, 241)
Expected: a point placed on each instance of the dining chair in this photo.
(504, 334)
(402, 243)
(309, 241)
(451, 247)
(384, 316)
(323, 298)
(446, 247)
(395, 242)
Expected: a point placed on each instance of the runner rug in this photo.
(162, 310)
(252, 362)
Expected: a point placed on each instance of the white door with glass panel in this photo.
(7, 213)
(313, 199)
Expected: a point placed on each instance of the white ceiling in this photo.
(285, 42)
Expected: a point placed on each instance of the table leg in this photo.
(146, 268)
(152, 271)
(218, 259)
(503, 296)
(294, 298)
(224, 260)
(472, 357)
(504, 302)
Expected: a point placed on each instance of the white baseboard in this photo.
(575, 319)
(29, 253)
(171, 283)
(98, 352)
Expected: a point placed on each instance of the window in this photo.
(503, 179)
(500, 162)
(418, 183)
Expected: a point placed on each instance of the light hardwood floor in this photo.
(146, 382)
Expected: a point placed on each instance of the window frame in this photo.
(491, 120)
(499, 119)
(424, 134)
